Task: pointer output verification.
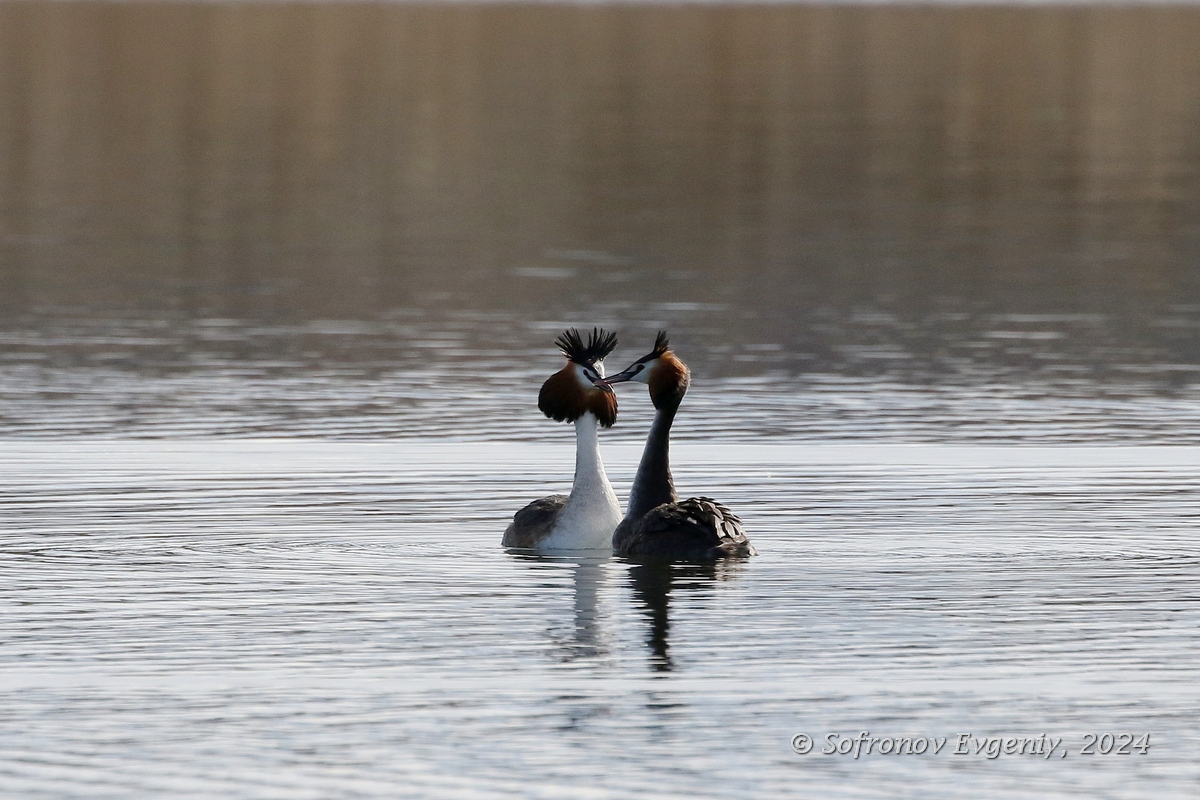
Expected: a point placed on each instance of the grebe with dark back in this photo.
(657, 523)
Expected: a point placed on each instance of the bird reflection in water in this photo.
(655, 582)
(586, 640)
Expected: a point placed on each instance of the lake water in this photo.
(277, 290)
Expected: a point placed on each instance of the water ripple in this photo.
(276, 618)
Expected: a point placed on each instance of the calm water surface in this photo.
(309, 619)
(277, 288)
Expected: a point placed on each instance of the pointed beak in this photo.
(620, 377)
(602, 385)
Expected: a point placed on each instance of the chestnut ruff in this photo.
(563, 398)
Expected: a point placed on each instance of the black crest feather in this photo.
(599, 344)
(661, 345)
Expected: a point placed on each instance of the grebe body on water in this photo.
(585, 518)
(657, 523)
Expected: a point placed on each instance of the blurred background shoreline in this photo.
(342, 160)
(896, 212)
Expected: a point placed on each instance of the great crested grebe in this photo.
(657, 523)
(584, 519)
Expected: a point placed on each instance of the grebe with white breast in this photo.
(584, 519)
(657, 523)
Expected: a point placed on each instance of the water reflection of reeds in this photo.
(340, 160)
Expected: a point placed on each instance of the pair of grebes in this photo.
(656, 524)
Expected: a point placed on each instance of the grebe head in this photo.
(660, 369)
(578, 388)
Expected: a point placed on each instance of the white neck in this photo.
(591, 513)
